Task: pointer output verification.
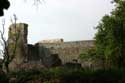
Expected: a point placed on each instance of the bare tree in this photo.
(7, 56)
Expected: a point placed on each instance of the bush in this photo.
(88, 53)
(69, 75)
(3, 77)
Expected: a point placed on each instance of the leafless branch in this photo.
(7, 56)
(17, 35)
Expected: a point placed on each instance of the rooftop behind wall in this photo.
(52, 41)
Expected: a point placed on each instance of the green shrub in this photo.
(69, 75)
(88, 54)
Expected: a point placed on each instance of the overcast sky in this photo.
(68, 19)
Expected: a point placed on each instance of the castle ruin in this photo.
(45, 53)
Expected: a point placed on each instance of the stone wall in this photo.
(17, 44)
(33, 53)
(67, 51)
(44, 53)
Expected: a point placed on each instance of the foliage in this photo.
(110, 40)
(88, 54)
(68, 75)
(3, 77)
(4, 4)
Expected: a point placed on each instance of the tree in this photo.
(7, 56)
(4, 4)
(110, 38)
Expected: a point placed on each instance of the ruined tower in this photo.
(17, 42)
(44, 54)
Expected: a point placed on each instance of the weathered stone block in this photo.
(17, 44)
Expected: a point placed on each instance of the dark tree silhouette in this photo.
(4, 4)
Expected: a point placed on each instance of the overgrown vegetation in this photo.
(88, 54)
(68, 75)
(110, 39)
(110, 48)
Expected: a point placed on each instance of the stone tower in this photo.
(17, 42)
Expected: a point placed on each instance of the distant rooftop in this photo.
(52, 41)
(61, 41)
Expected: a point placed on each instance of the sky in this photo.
(71, 20)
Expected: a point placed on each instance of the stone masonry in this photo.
(46, 53)
(17, 42)
(67, 51)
